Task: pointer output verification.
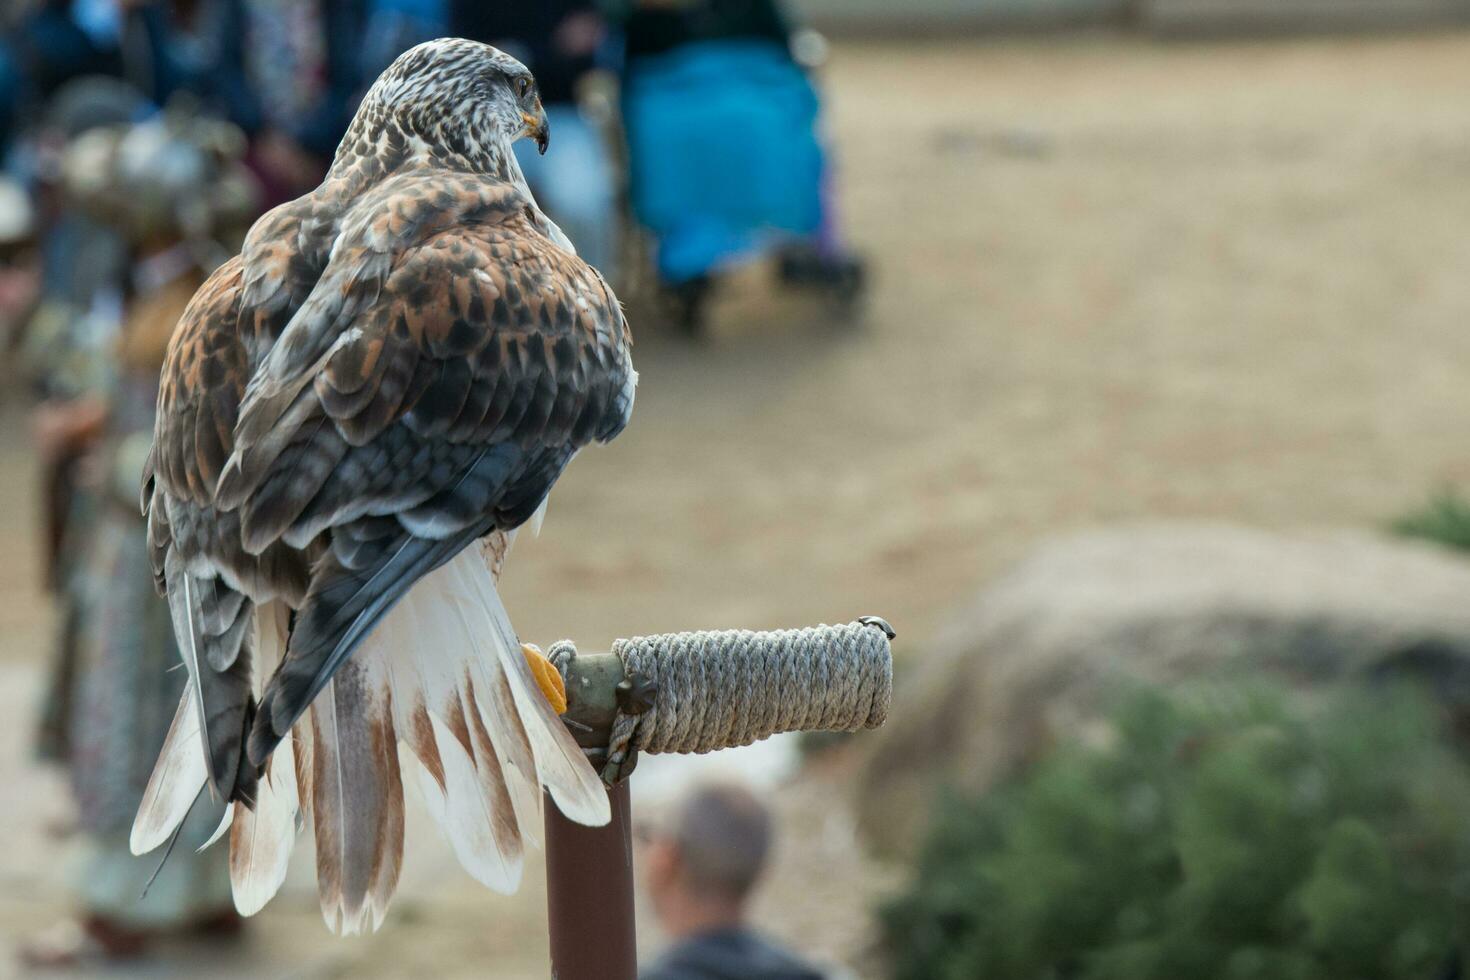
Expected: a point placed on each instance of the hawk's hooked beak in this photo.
(537, 128)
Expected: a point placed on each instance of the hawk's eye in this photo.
(523, 86)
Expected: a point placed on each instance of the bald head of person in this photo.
(703, 862)
(700, 867)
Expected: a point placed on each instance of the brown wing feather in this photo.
(194, 548)
(205, 366)
(478, 336)
(205, 373)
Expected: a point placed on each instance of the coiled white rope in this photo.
(706, 690)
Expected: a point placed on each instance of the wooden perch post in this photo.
(686, 692)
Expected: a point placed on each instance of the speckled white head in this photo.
(461, 98)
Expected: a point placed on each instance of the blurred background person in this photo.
(295, 70)
(286, 71)
(168, 187)
(726, 155)
(48, 43)
(393, 26)
(63, 348)
(20, 272)
(699, 870)
(577, 182)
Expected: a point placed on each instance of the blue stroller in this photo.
(725, 164)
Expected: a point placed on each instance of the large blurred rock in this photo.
(1041, 650)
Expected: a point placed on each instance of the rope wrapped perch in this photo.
(706, 690)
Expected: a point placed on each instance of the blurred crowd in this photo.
(692, 126)
(139, 140)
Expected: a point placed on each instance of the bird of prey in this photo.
(355, 416)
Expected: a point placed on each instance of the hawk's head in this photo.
(460, 95)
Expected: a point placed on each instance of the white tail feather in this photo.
(178, 776)
(511, 750)
(534, 522)
(560, 765)
(485, 699)
(261, 839)
(226, 821)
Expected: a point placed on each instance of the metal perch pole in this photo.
(686, 692)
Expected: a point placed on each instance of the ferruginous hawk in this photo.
(397, 366)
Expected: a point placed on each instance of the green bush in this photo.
(1445, 520)
(1230, 833)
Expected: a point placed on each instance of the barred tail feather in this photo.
(261, 839)
(301, 744)
(357, 798)
(475, 814)
(462, 779)
(443, 674)
(464, 702)
(561, 768)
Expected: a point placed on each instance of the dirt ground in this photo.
(1113, 279)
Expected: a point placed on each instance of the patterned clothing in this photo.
(128, 673)
(126, 688)
(293, 66)
(286, 59)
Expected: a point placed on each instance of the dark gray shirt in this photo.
(728, 954)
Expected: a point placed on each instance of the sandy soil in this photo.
(1113, 279)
